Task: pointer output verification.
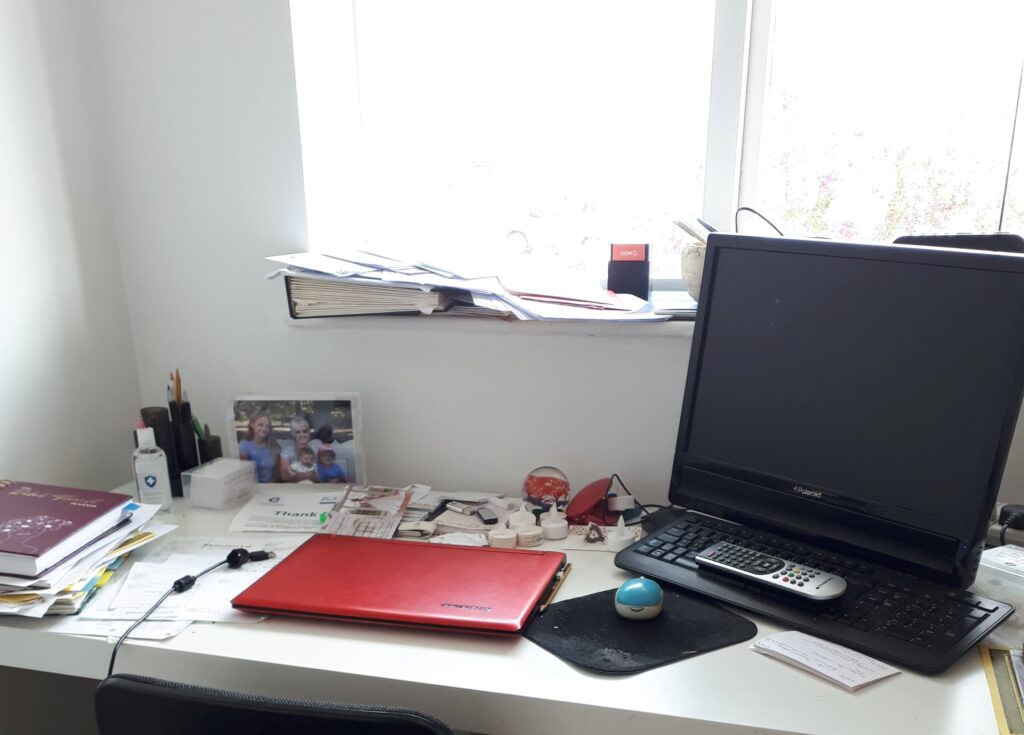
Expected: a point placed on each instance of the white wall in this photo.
(68, 377)
(198, 120)
(207, 180)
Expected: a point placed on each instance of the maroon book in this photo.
(41, 525)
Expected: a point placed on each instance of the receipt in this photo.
(837, 664)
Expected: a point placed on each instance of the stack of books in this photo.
(59, 544)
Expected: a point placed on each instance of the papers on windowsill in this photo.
(563, 298)
(832, 662)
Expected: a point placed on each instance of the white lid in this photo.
(146, 438)
(522, 518)
(620, 531)
(619, 537)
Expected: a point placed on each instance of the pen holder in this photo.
(186, 438)
(159, 420)
(209, 448)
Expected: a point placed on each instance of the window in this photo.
(549, 128)
(882, 119)
(467, 131)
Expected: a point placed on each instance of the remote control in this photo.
(799, 579)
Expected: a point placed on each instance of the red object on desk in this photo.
(460, 588)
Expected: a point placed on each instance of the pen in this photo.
(198, 428)
(174, 407)
(707, 227)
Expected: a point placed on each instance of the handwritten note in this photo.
(837, 664)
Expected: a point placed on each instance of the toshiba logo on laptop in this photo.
(460, 606)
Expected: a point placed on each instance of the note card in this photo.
(837, 664)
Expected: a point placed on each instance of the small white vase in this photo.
(693, 268)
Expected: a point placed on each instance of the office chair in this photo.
(128, 704)
(998, 241)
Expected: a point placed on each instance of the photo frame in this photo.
(299, 438)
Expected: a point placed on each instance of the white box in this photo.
(1001, 577)
(219, 483)
(1005, 563)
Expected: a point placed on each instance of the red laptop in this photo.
(463, 588)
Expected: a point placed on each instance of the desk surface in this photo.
(511, 686)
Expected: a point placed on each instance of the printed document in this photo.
(838, 664)
(371, 512)
(286, 510)
(177, 556)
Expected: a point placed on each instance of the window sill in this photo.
(673, 328)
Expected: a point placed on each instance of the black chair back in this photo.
(128, 705)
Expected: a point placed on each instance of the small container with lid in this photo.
(149, 465)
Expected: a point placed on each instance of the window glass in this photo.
(882, 119)
(548, 128)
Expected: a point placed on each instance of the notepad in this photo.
(830, 661)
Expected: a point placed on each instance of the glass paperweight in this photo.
(547, 487)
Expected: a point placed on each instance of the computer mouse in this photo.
(639, 599)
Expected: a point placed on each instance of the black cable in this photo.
(234, 559)
(1008, 523)
(736, 219)
(610, 522)
(645, 506)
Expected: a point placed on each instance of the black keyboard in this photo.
(889, 614)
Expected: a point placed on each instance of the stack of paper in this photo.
(123, 601)
(837, 664)
(66, 588)
(358, 282)
(313, 295)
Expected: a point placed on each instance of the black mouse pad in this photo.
(587, 632)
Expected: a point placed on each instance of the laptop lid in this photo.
(466, 588)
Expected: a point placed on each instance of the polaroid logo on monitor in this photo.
(806, 492)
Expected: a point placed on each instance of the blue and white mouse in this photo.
(639, 599)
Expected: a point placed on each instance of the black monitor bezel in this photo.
(746, 498)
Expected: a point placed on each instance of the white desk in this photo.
(511, 687)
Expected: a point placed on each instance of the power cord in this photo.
(234, 559)
(604, 511)
(1010, 516)
(736, 219)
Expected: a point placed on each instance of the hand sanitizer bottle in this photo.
(152, 482)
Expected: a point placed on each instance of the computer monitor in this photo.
(862, 397)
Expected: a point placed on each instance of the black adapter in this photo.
(1012, 515)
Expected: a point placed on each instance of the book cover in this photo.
(39, 520)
